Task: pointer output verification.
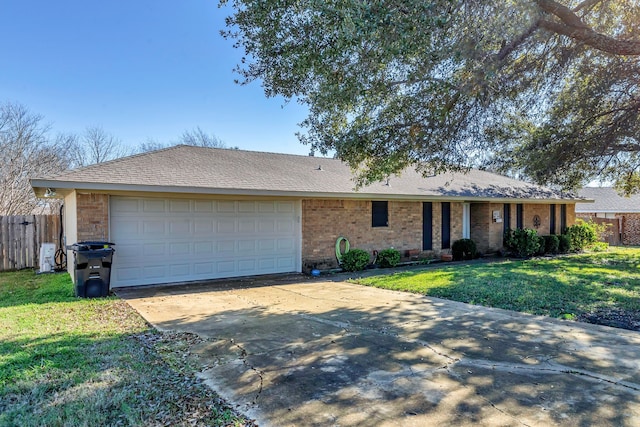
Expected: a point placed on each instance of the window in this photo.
(519, 216)
(506, 217)
(563, 218)
(446, 225)
(466, 220)
(380, 214)
(427, 226)
(552, 219)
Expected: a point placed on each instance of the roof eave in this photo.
(65, 187)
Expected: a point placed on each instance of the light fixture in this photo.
(50, 192)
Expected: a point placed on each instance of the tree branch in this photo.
(572, 26)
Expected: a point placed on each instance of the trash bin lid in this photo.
(92, 245)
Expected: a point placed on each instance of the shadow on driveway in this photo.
(298, 351)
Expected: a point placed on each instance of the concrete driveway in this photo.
(309, 352)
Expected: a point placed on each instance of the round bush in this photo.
(463, 249)
(388, 258)
(355, 260)
(522, 243)
(564, 244)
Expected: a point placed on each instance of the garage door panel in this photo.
(246, 266)
(179, 206)
(125, 205)
(153, 249)
(286, 244)
(203, 248)
(246, 207)
(286, 207)
(153, 271)
(204, 226)
(246, 226)
(286, 262)
(153, 228)
(225, 267)
(180, 248)
(267, 226)
(179, 270)
(163, 241)
(180, 227)
(266, 207)
(225, 207)
(226, 246)
(153, 206)
(226, 226)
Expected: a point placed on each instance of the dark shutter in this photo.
(427, 228)
(519, 216)
(379, 214)
(446, 225)
(552, 219)
(506, 220)
(563, 218)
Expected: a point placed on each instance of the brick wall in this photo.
(93, 216)
(323, 221)
(631, 229)
(480, 215)
(544, 213)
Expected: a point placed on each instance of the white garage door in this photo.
(175, 240)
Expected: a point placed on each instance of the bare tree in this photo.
(25, 152)
(196, 137)
(199, 138)
(96, 146)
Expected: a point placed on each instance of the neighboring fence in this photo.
(612, 234)
(21, 237)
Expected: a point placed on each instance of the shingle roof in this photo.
(222, 171)
(607, 199)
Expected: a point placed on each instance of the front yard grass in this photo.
(601, 288)
(66, 361)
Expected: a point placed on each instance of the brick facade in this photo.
(323, 221)
(93, 216)
(484, 231)
(631, 229)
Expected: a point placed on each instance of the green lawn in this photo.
(66, 361)
(585, 287)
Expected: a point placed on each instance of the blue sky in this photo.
(141, 69)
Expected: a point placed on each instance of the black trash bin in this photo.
(92, 267)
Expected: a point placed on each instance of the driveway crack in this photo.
(259, 373)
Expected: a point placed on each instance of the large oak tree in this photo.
(545, 89)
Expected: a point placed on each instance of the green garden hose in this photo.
(339, 254)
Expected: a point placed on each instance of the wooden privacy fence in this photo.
(21, 237)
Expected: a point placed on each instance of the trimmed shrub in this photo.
(463, 249)
(564, 244)
(551, 244)
(388, 257)
(582, 235)
(355, 260)
(522, 243)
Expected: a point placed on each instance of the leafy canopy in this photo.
(547, 90)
